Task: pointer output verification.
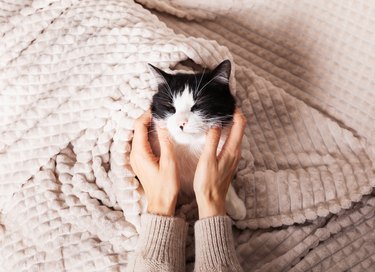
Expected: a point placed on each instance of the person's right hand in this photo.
(214, 173)
(158, 175)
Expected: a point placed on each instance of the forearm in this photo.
(161, 245)
(214, 245)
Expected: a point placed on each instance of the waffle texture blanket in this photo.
(74, 77)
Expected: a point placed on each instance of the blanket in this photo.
(74, 77)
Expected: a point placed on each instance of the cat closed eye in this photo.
(171, 109)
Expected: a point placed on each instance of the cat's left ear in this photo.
(160, 76)
(222, 72)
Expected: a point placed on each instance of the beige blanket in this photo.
(305, 79)
(74, 76)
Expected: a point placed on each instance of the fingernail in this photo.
(217, 125)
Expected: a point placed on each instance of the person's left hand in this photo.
(158, 175)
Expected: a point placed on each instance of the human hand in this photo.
(214, 173)
(158, 175)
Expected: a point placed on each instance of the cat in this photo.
(188, 105)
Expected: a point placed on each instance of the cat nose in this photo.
(181, 124)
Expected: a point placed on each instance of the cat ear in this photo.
(160, 76)
(222, 72)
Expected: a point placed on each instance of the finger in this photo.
(212, 141)
(141, 127)
(140, 139)
(166, 145)
(233, 142)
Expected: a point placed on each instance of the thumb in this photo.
(212, 141)
(166, 145)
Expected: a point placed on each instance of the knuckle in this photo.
(168, 158)
(242, 120)
(240, 117)
(232, 155)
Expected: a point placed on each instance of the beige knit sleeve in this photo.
(161, 245)
(214, 245)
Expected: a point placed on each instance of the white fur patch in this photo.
(193, 126)
(184, 101)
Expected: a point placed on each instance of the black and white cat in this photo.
(188, 105)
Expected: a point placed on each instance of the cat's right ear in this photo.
(160, 76)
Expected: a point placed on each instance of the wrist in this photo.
(209, 207)
(162, 206)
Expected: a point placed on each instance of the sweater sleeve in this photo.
(161, 245)
(214, 245)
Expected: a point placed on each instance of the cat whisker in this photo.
(202, 99)
(200, 80)
(167, 85)
(169, 91)
(201, 89)
(223, 122)
(216, 118)
(195, 79)
(222, 116)
(219, 116)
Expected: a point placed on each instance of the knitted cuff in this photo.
(214, 245)
(162, 239)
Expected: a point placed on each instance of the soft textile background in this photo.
(310, 112)
(74, 76)
(305, 71)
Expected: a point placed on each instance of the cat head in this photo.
(189, 104)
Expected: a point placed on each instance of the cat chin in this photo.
(187, 138)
